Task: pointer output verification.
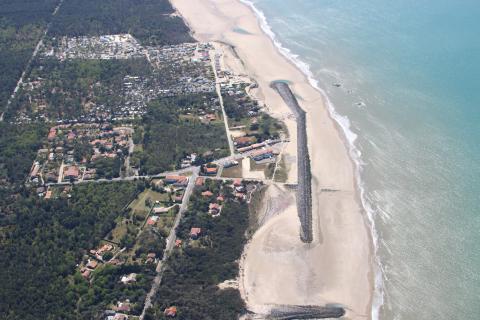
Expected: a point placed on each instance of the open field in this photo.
(139, 205)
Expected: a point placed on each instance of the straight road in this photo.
(220, 99)
(29, 63)
(170, 242)
(220, 162)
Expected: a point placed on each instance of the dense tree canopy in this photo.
(18, 147)
(47, 239)
(150, 21)
(22, 23)
(193, 273)
(168, 138)
(43, 243)
(69, 86)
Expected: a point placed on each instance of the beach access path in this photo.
(337, 267)
(218, 88)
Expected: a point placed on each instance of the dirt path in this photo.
(29, 63)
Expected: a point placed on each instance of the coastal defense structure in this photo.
(304, 187)
(291, 312)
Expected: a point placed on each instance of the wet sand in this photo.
(337, 267)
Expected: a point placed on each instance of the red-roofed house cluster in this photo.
(72, 152)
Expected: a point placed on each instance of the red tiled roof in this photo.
(176, 178)
(86, 274)
(72, 171)
(195, 231)
(52, 134)
(170, 312)
(260, 152)
(211, 170)
(200, 181)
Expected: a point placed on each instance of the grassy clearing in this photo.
(140, 206)
(233, 172)
(281, 175)
(118, 232)
(166, 220)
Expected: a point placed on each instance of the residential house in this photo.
(72, 172)
(207, 193)
(177, 181)
(159, 210)
(200, 181)
(262, 155)
(132, 277)
(214, 209)
(152, 220)
(92, 264)
(240, 196)
(170, 312)
(244, 141)
(123, 306)
(195, 232)
(85, 273)
(210, 170)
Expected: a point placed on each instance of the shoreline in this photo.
(351, 200)
(348, 138)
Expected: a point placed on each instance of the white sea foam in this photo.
(354, 152)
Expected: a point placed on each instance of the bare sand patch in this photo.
(277, 267)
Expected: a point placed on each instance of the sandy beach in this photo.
(337, 267)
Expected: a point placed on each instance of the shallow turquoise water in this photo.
(410, 86)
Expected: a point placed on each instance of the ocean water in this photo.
(409, 103)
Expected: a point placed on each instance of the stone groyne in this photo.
(305, 312)
(304, 188)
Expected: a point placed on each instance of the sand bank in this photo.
(278, 268)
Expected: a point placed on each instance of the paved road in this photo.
(220, 162)
(131, 147)
(131, 178)
(220, 98)
(60, 172)
(170, 242)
